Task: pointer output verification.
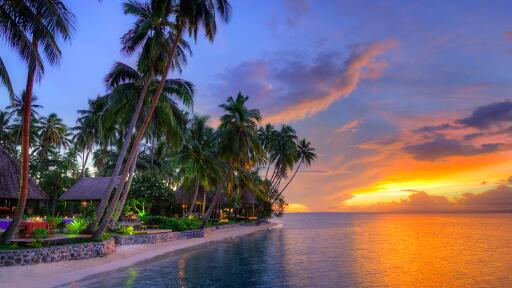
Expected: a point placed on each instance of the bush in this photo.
(127, 230)
(176, 224)
(39, 233)
(77, 226)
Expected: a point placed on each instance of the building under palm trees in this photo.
(10, 187)
(86, 191)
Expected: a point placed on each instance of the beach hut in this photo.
(87, 190)
(184, 198)
(10, 187)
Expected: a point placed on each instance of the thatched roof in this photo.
(10, 180)
(183, 196)
(88, 188)
(249, 198)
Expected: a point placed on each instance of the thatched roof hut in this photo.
(87, 188)
(183, 196)
(249, 198)
(10, 180)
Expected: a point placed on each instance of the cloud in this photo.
(349, 126)
(488, 115)
(360, 65)
(441, 147)
(494, 200)
(288, 87)
(508, 35)
(435, 128)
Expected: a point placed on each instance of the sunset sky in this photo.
(407, 103)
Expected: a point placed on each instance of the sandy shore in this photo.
(54, 274)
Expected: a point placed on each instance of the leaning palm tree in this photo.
(239, 145)
(127, 101)
(305, 155)
(43, 22)
(188, 15)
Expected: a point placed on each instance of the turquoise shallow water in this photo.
(341, 250)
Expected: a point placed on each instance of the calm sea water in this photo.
(341, 250)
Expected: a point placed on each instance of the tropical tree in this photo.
(53, 133)
(238, 146)
(198, 156)
(305, 155)
(6, 139)
(126, 101)
(26, 25)
(188, 15)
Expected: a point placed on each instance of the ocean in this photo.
(341, 250)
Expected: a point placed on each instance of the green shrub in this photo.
(39, 233)
(127, 230)
(77, 226)
(176, 224)
(54, 220)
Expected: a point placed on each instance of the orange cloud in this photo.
(349, 126)
(360, 65)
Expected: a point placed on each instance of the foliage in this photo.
(126, 230)
(176, 224)
(54, 220)
(39, 233)
(152, 191)
(77, 226)
(137, 205)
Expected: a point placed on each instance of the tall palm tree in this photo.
(198, 156)
(53, 133)
(239, 145)
(283, 153)
(84, 139)
(266, 136)
(305, 155)
(127, 100)
(188, 15)
(43, 22)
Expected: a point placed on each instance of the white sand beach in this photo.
(54, 274)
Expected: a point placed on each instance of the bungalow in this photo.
(10, 186)
(87, 190)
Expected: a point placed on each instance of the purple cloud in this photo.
(441, 147)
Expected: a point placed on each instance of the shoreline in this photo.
(69, 272)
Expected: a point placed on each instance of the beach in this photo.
(55, 274)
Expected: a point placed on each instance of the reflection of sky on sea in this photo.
(340, 250)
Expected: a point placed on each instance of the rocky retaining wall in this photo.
(57, 253)
(157, 237)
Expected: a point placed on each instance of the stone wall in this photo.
(57, 253)
(157, 237)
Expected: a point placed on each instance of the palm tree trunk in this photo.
(295, 173)
(120, 157)
(204, 203)
(84, 163)
(208, 214)
(268, 168)
(140, 134)
(124, 196)
(194, 199)
(25, 145)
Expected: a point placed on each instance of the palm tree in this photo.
(188, 15)
(305, 155)
(43, 22)
(84, 139)
(283, 153)
(53, 134)
(266, 137)
(239, 145)
(123, 103)
(198, 156)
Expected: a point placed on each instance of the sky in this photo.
(407, 103)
